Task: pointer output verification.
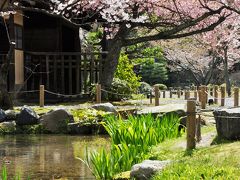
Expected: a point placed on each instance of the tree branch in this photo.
(172, 34)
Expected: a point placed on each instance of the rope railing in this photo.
(201, 95)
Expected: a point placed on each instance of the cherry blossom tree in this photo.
(192, 57)
(224, 43)
(165, 19)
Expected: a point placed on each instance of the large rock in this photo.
(147, 169)
(107, 107)
(228, 123)
(8, 127)
(77, 128)
(56, 121)
(11, 115)
(3, 115)
(27, 116)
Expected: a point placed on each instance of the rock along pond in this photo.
(48, 156)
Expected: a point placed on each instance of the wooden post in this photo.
(150, 97)
(179, 92)
(206, 94)
(195, 94)
(170, 93)
(216, 94)
(198, 129)
(157, 95)
(191, 124)
(187, 94)
(41, 96)
(222, 95)
(98, 93)
(164, 94)
(236, 96)
(203, 97)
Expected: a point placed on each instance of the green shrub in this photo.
(161, 86)
(131, 141)
(144, 88)
(120, 89)
(126, 74)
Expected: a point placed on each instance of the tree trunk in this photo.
(110, 64)
(111, 61)
(5, 98)
(226, 74)
(209, 74)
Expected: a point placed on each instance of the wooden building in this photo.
(47, 51)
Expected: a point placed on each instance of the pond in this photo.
(48, 156)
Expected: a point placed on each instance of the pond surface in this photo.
(48, 156)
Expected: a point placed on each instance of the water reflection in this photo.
(48, 156)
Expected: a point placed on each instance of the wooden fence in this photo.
(65, 73)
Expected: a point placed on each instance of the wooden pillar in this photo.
(223, 90)
(216, 94)
(191, 124)
(236, 96)
(41, 96)
(98, 93)
(157, 95)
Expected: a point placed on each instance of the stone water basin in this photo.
(228, 123)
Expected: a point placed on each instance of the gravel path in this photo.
(205, 141)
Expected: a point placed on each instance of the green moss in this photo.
(88, 116)
(30, 129)
(122, 176)
(7, 129)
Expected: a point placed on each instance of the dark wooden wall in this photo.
(4, 43)
(44, 33)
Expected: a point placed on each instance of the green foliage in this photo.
(161, 86)
(121, 89)
(4, 173)
(131, 141)
(94, 37)
(88, 116)
(153, 66)
(144, 88)
(125, 73)
(153, 72)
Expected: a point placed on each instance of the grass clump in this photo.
(131, 142)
